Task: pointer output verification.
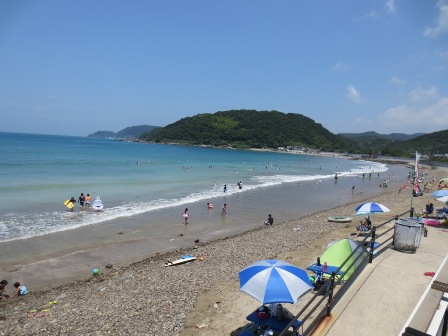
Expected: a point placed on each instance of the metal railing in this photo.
(327, 291)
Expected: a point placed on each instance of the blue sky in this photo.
(76, 67)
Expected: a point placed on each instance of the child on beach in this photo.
(20, 290)
(185, 215)
(3, 284)
(224, 210)
(270, 220)
(88, 200)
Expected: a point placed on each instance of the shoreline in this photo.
(59, 261)
(148, 298)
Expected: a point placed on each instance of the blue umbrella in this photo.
(440, 193)
(274, 281)
(371, 207)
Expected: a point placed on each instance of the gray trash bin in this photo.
(407, 234)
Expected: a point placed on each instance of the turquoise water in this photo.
(138, 181)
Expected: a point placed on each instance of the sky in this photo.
(76, 67)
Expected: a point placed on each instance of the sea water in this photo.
(39, 172)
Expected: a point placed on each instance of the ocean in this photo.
(146, 187)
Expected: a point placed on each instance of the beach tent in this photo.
(339, 250)
(444, 180)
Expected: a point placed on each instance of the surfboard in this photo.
(182, 260)
(69, 204)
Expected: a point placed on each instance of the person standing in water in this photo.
(73, 201)
(88, 200)
(225, 187)
(186, 215)
(81, 200)
(224, 210)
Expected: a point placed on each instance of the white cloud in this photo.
(354, 94)
(409, 119)
(372, 15)
(420, 94)
(442, 53)
(340, 66)
(441, 23)
(397, 81)
(390, 5)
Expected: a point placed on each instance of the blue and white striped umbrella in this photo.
(371, 207)
(440, 193)
(274, 281)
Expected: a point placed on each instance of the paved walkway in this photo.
(383, 297)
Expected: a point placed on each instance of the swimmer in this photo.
(209, 206)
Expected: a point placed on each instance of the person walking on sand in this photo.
(224, 210)
(186, 215)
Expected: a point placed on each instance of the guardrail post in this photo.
(372, 245)
(330, 294)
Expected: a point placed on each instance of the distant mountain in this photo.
(369, 136)
(251, 129)
(133, 132)
(432, 143)
(375, 143)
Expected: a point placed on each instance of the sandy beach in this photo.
(147, 298)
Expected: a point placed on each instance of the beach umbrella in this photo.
(274, 281)
(440, 193)
(443, 199)
(338, 251)
(371, 207)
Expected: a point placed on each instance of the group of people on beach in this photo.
(81, 200)
(20, 290)
(186, 214)
(85, 201)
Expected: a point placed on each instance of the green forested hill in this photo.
(432, 143)
(250, 129)
(375, 143)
